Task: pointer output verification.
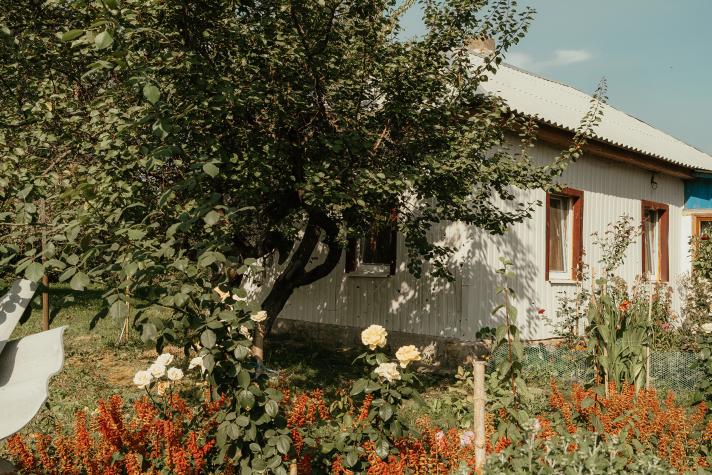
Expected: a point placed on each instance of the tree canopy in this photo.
(173, 144)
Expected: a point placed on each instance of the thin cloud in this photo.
(560, 57)
(563, 57)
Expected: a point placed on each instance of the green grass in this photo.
(96, 367)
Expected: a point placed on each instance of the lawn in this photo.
(96, 366)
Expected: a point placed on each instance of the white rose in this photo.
(388, 371)
(244, 331)
(142, 379)
(157, 370)
(165, 359)
(175, 374)
(197, 362)
(707, 327)
(374, 336)
(406, 354)
(258, 317)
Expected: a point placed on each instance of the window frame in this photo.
(697, 220)
(663, 251)
(576, 247)
(354, 265)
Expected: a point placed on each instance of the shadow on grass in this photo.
(312, 366)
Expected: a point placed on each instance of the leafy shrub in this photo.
(674, 434)
(584, 453)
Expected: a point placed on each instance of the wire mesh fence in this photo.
(669, 370)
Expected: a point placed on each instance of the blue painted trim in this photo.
(698, 193)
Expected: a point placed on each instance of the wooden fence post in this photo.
(479, 409)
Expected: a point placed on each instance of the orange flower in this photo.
(624, 305)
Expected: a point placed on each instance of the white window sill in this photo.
(371, 270)
(563, 281)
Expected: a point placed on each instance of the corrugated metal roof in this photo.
(564, 106)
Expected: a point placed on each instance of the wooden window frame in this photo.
(664, 240)
(697, 220)
(577, 197)
(355, 267)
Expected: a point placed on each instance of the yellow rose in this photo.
(406, 354)
(374, 337)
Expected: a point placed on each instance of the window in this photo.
(377, 247)
(655, 241)
(702, 225)
(564, 230)
(375, 254)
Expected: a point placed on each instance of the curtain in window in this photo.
(377, 247)
(706, 228)
(558, 234)
(652, 240)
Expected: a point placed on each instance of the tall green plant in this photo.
(618, 337)
(507, 390)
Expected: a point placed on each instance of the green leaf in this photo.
(151, 93)
(385, 412)
(34, 271)
(208, 338)
(118, 309)
(161, 128)
(283, 444)
(149, 332)
(358, 387)
(209, 362)
(211, 170)
(72, 35)
(79, 281)
(272, 408)
(103, 40)
(211, 218)
(243, 378)
(246, 399)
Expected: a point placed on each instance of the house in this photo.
(629, 167)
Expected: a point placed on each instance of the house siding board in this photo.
(460, 308)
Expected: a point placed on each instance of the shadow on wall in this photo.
(427, 305)
(479, 261)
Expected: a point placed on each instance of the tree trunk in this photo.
(295, 274)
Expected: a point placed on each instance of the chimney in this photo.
(483, 46)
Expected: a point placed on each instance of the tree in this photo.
(177, 143)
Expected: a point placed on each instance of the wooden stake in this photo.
(293, 468)
(479, 408)
(124, 335)
(647, 349)
(45, 278)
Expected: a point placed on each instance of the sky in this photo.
(656, 56)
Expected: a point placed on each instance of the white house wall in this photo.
(460, 308)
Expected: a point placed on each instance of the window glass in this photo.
(377, 247)
(706, 228)
(559, 236)
(652, 241)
